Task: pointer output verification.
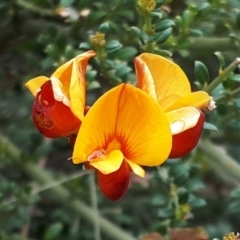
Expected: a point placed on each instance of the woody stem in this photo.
(223, 75)
(62, 194)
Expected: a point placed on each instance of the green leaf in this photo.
(142, 35)
(166, 213)
(66, 3)
(163, 53)
(122, 71)
(234, 77)
(235, 193)
(159, 200)
(201, 72)
(85, 46)
(180, 173)
(164, 25)
(233, 207)
(104, 27)
(196, 32)
(203, 6)
(53, 231)
(194, 185)
(238, 20)
(210, 126)
(162, 36)
(237, 103)
(113, 45)
(220, 57)
(183, 196)
(93, 85)
(126, 53)
(197, 202)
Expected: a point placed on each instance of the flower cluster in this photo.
(129, 126)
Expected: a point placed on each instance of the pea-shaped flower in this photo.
(59, 103)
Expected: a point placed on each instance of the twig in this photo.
(221, 158)
(223, 75)
(93, 192)
(30, 7)
(62, 194)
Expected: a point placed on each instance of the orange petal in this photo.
(184, 142)
(136, 169)
(77, 89)
(52, 118)
(183, 119)
(35, 84)
(170, 81)
(132, 120)
(198, 100)
(72, 76)
(114, 185)
(111, 163)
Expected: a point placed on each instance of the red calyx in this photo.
(184, 142)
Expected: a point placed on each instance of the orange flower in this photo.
(168, 85)
(125, 128)
(59, 104)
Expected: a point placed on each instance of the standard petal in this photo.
(136, 169)
(108, 163)
(132, 120)
(114, 185)
(77, 90)
(35, 84)
(198, 100)
(170, 81)
(182, 119)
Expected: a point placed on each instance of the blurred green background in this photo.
(42, 195)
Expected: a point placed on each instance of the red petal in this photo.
(114, 185)
(52, 118)
(184, 142)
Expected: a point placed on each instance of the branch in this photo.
(212, 44)
(223, 75)
(62, 194)
(220, 161)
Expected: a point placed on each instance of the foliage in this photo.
(42, 195)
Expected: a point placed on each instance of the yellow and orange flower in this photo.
(59, 104)
(165, 81)
(124, 129)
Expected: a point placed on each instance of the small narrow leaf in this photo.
(162, 36)
(201, 72)
(210, 126)
(164, 25)
(220, 57)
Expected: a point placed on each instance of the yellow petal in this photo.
(130, 117)
(35, 84)
(136, 169)
(111, 163)
(72, 76)
(77, 91)
(198, 100)
(144, 78)
(183, 119)
(170, 81)
(58, 92)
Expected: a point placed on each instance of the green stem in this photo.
(228, 95)
(35, 9)
(62, 194)
(223, 75)
(221, 159)
(148, 29)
